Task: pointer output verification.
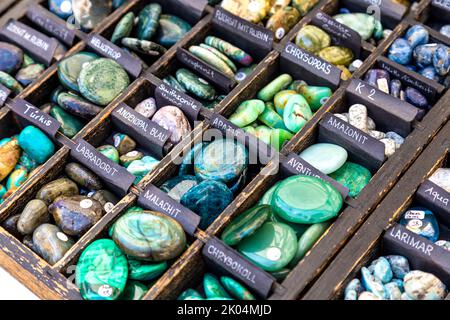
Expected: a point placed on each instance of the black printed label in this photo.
(4, 94)
(441, 9)
(51, 24)
(109, 50)
(35, 116)
(148, 133)
(155, 199)
(294, 165)
(436, 199)
(193, 8)
(116, 176)
(37, 45)
(228, 260)
(313, 69)
(390, 11)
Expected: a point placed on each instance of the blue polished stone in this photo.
(177, 187)
(423, 54)
(36, 144)
(372, 283)
(400, 51)
(208, 199)
(187, 164)
(399, 265)
(445, 30)
(430, 73)
(422, 222)
(393, 291)
(382, 270)
(399, 283)
(62, 8)
(441, 60)
(353, 289)
(414, 97)
(417, 35)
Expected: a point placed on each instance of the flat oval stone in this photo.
(336, 55)
(211, 59)
(352, 176)
(145, 271)
(149, 235)
(77, 106)
(124, 28)
(171, 29)
(420, 285)
(102, 271)
(9, 156)
(69, 69)
(325, 157)
(91, 13)
(83, 176)
(278, 84)
(417, 99)
(190, 294)
(173, 82)
(144, 46)
(102, 80)
(134, 290)
(220, 55)
(271, 247)
(307, 200)
(148, 21)
(33, 215)
(296, 113)
(231, 51)
(312, 39)
(62, 8)
(422, 222)
(29, 74)
(11, 58)
(173, 119)
(51, 243)
(441, 177)
(70, 125)
(60, 187)
(36, 144)
(195, 85)
(236, 289)
(213, 288)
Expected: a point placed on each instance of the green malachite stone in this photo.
(102, 271)
(148, 21)
(102, 80)
(190, 293)
(280, 83)
(110, 152)
(70, 125)
(213, 60)
(145, 271)
(246, 224)
(352, 176)
(124, 27)
(296, 113)
(312, 39)
(281, 99)
(11, 83)
(247, 112)
(213, 288)
(69, 69)
(171, 30)
(134, 290)
(195, 85)
(236, 289)
(36, 144)
(337, 55)
(271, 247)
(307, 200)
(308, 240)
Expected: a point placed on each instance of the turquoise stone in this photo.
(102, 271)
(124, 27)
(36, 144)
(372, 284)
(399, 266)
(213, 288)
(16, 179)
(382, 270)
(352, 176)
(134, 290)
(140, 168)
(307, 200)
(149, 236)
(325, 157)
(148, 21)
(271, 247)
(222, 160)
(236, 289)
(422, 222)
(69, 69)
(246, 224)
(62, 8)
(102, 80)
(190, 293)
(177, 187)
(145, 271)
(296, 113)
(171, 30)
(110, 152)
(70, 125)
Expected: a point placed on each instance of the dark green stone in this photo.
(124, 27)
(145, 271)
(195, 85)
(213, 288)
(190, 293)
(352, 176)
(236, 289)
(171, 30)
(69, 69)
(70, 125)
(148, 21)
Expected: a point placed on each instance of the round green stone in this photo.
(102, 80)
(213, 288)
(267, 197)
(102, 271)
(352, 176)
(307, 200)
(69, 69)
(236, 289)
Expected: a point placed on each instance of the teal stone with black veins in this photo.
(102, 271)
(148, 21)
(102, 80)
(195, 85)
(171, 30)
(124, 27)
(69, 69)
(70, 125)
(36, 144)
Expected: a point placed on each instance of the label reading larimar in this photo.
(4, 94)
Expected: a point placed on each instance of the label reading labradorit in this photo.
(35, 116)
(436, 199)
(228, 260)
(154, 199)
(4, 94)
(37, 45)
(109, 50)
(51, 24)
(119, 179)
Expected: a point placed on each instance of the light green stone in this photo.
(272, 119)
(326, 157)
(213, 288)
(110, 152)
(339, 56)
(236, 289)
(315, 96)
(312, 39)
(362, 23)
(297, 113)
(280, 83)
(123, 28)
(352, 176)
(281, 99)
(247, 112)
(263, 133)
(278, 137)
(267, 197)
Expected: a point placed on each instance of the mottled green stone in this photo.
(69, 69)
(236, 289)
(315, 96)
(171, 81)
(195, 85)
(102, 271)
(78, 106)
(27, 60)
(352, 176)
(213, 288)
(280, 83)
(263, 133)
(11, 83)
(145, 271)
(272, 119)
(229, 50)
(110, 152)
(281, 99)
(312, 39)
(220, 55)
(70, 125)
(337, 55)
(189, 293)
(278, 137)
(134, 290)
(213, 60)
(362, 23)
(247, 112)
(171, 30)
(296, 113)
(27, 75)
(148, 21)
(36, 144)
(124, 27)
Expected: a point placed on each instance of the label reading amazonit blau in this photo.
(441, 9)
(35, 116)
(4, 94)
(148, 133)
(230, 261)
(109, 50)
(37, 45)
(294, 165)
(390, 11)
(436, 199)
(116, 176)
(51, 24)
(309, 67)
(154, 199)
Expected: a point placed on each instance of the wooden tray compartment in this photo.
(431, 15)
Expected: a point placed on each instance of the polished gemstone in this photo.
(213, 288)
(282, 21)
(312, 38)
(281, 99)
(278, 84)
(70, 125)
(124, 28)
(134, 290)
(366, 25)
(252, 10)
(11, 83)
(15, 180)
(417, 99)
(144, 46)
(142, 271)
(420, 285)
(325, 157)
(441, 60)
(83, 176)
(221, 56)
(91, 13)
(382, 270)
(336, 55)
(171, 29)
(373, 284)
(147, 107)
(190, 293)
(422, 222)
(272, 119)
(36, 144)
(106, 198)
(400, 51)
(29, 74)
(213, 60)
(51, 243)
(10, 224)
(195, 85)
(399, 265)
(140, 168)
(110, 152)
(247, 112)
(77, 106)
(123, 143)
(11, 58)
(60, 187)
(173, 119)
(296, 113)
(69, 69)
(62, 8)
(316, 96)
(423, 54)
(417, 35)
(9, 156)
(235, 289)
(441, 177)
(304, 6)
(352, 176)
(33, 215)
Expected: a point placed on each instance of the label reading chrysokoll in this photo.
(4, 94)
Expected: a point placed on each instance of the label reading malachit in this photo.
(4, 94)
(165, 94)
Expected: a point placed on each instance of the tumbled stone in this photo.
(171, 29)
(441, 177)
(90, 13)
(283, 21)
(123, 28)
(173, 119)
(83, 176)
(417, 35)
(10, 225)
(11, 58)
(423, 54)
(441, 60)
(134, 290)
(195, 85)
(366, 25)
(60, 187)
(123, 143)
(76, 105)
(223, 57)
(69, 69)
(140, 168)
(213, 288)
(422, 222)
(9, 156)
(399, 265)
(312, 38)
(70, 125)
(235, 289)
(107, 199)
(373, 284)
(11, 83)
(336, 55)
(110, 152)
(51, 243)
(278, 84)
(213, 60)
(445, 30)
(357, 116)
(148, 21)
(144, 46)
(62, 8)
(368, 296)
(382, 270)
(378, 78)
(126, 159)
(15, 180)
(247, 112)
(353, 289)
(307, 240)
(352, 176)
(420, 285)
(393, 291)
(139, 270)
(33, 215)
(304, 6)
(36, 144)
(147, 107)
(417, 99)
(325, 157)
(316, 96)
(399, 140)
(27, 75)
(400, 51)
(251, 10)
(178, 186)
(390, 147)
(173, 82)
(190, 294)
(296, 113)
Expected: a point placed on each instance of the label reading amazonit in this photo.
(228, 260)
(35, 116)
(148, 133)
(154, 199)
(51, 24)
(4, 94)
(436, 199)
(37, 45)
(116, 176)
(109, 50)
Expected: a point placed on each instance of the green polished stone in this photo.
(102, 80)
(272, 119)
(326, 157)
(315, 96)
(267, 197)
(190, 293)
(296, 113)
(171, 30)
(312, 39)
(102, 271)
(123, 28)
(212, 59)
(280, 275)
(70, 125)
(366, 25)
(69, 69)
(336, 55)
(269, 91)
(11, 83)
(222, 56)
(213, 288)
(352, 176)
(281, 99)
(271, 247)
(36, 144)
(229, 50)
(148, 21)
(16, 179)
(236, 289)
(110, 152)
(278, 137)
(246, 224)
(307, 200)
(134, 290)
(263, 133)
(145, 271)
(247, 112)
(195, 85)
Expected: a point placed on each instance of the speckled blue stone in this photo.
(187, 165)
(36, 144)
(423, 54)
(382, 270)
(441, 60)
(177, 187)
(399, 265)
(353, 289)
(62, 8)
(400, 51)
(417, 35)
(430, 73)
(422, 222)
(417, 99)
(445, 30)
(208, 199)
(372, 283)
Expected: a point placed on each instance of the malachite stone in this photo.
(229, 50)
(213, 288)
(36, 144)
(123, 28)
(134, 290)
(246, 224)
(171, 30)
(145, 271)
(312, 39)
(69, 69)
(296, 113)
(325, 157)
(336, 55)
(102, 271)
(247, 112)
(307, 200)
(236, 289)
(352, 176)
(213, 60)
(269, 91)
(271, 247)
(148, 21)
(110, 152)
(281, 99)
(11, 83)
(195, 85)
(102, 80)
(190, 293)
(149, 236)
(70, 125)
